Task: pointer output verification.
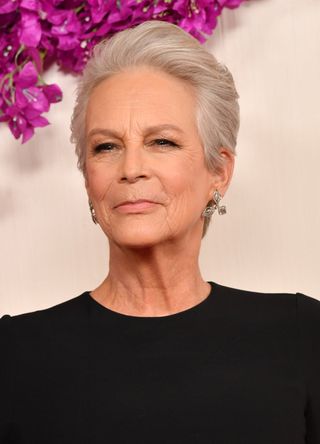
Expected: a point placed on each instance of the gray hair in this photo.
(167, 47)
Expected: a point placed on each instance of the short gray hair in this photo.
(167, 47)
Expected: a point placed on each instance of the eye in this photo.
(103, 147)
(164, 142)
(108, 147)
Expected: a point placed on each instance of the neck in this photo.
(157, 281)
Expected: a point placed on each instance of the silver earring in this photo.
(208, 211)
(93, 213)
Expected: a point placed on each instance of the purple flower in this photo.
(229, 3)
(29, 102)
(36, 33)
(66, 27)
(28, 76)
(99, 8)
(30, 29)
(32, 5)
(8, 6)
(19, 124)
(9, 45)
(53, 93)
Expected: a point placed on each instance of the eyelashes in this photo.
(108, 146)
(102, 147)
(166, 142)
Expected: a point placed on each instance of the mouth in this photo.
(133, 202)
(136, 206)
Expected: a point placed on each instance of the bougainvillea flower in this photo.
(64, 22)
(32, 5)
(28, 76)
(20, 125)
(9, 20)
(198, 17)
(68, 42)
(99, 8)
(9, 45)
(35, 33)
(30, 101)
(67, 29)
(30, 31)
(53, 93)
(119, 15)
(229, 3)
(8, 6)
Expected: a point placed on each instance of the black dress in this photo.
(238, 368)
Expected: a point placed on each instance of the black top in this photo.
(238, 368)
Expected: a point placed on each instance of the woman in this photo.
(155, 354)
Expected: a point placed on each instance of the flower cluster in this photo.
(36, 33)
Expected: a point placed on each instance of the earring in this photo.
(93, 213)
(208, 211)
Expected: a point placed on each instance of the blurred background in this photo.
(269, 239)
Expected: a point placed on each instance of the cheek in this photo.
(98, 182)
(186, 204)
(185, 178)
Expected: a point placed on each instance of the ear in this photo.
(222, 178)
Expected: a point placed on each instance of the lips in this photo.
(141, 206)
(133, 202)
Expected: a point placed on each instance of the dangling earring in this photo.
(208, 211)
(93, 213)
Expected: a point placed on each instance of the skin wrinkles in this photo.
(157, 250)
(113, 133)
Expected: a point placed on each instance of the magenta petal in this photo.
(39, 121)
(230, 3)
(14, 129)
(57, 17)
(32, 5)
(12, 110)
(20, 99)
(27, 134)
(7, 6)
(180, 5)
(186, 24)
(35, 56)
(103, 30)
(28, 76)
(21, 123)
(37, 100)
(4, 118)
(30, 30)
(53, 93)
(67, 42)
(70, 25)
(31, 113)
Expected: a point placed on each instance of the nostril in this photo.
(132, 179)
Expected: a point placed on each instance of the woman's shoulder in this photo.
(62, 307)
(237, 292)
(36, 323)
(299, 305)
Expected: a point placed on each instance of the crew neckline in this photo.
(180, 314)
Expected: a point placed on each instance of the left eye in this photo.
(163, 142)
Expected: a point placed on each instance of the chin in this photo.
(137, 236)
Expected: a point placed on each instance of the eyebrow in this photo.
(149, 129)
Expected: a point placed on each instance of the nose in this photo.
(133, 164)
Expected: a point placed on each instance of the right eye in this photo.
(103, 147)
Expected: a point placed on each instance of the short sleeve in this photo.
(6, 401)
(308, 315)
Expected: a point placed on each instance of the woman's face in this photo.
(143, 144)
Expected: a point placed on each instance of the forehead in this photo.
(143, 95)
